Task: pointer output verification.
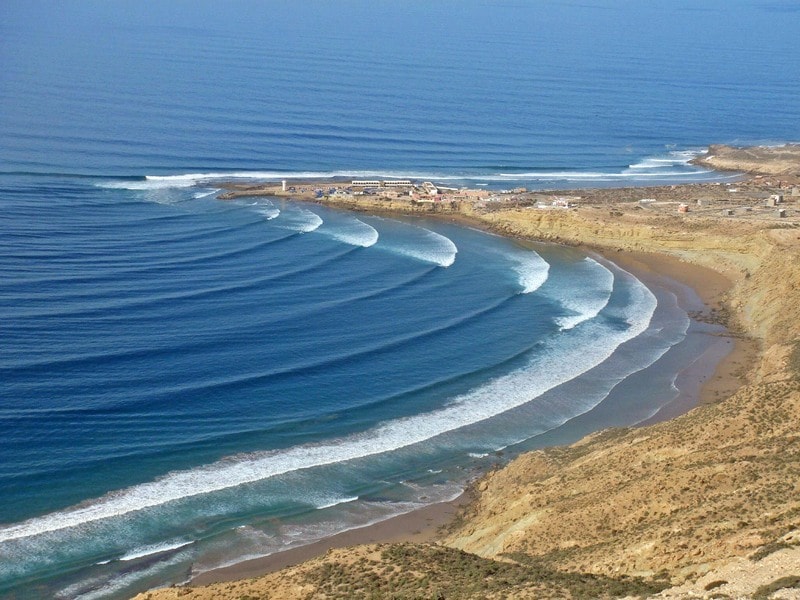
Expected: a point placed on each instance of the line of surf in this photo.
(601, 176)
(354, 232)
(438, 249)
(301, 220)
(384, 345)
(336, 502)
(678, 158)
(154, 549)
(532, 271)
(495, 397)
(205, 179)
(139, 303)
(587, 301)
(185, 180)
(269, 213)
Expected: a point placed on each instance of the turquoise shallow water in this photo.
(186, 382)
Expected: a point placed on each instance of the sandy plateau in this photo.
(706, 505)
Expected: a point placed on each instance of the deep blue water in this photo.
(186, 382)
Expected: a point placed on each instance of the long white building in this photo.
(381, 183)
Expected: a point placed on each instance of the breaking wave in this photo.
(427, 246)
(301, 220)
(354, 232)
(532, 271)
(587, 301)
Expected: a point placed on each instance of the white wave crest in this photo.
(337, 502)
(139, 185)
(532, 271)
(301, 220)
(204, 194)
(586, 301)
(269, 213)
(432, 248)
(600, 176)
(586, 349)
(154, 549)
(677, 158)
(354, 232)
(184, 180)
(638, 170)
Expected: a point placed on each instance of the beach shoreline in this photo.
(710, 378)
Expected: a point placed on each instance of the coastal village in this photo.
(762, 197)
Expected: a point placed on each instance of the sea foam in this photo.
(352, 231)
(587, 300)
(426, 246)
(301, 220)
(269, 213)
(532, 271)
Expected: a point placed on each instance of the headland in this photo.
(705, 504)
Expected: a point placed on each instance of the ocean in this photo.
(186, 383)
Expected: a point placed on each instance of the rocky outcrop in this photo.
(759, 160)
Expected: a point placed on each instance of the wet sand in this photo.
(721, 370)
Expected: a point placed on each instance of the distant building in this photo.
(429, 188)
(381, 183)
